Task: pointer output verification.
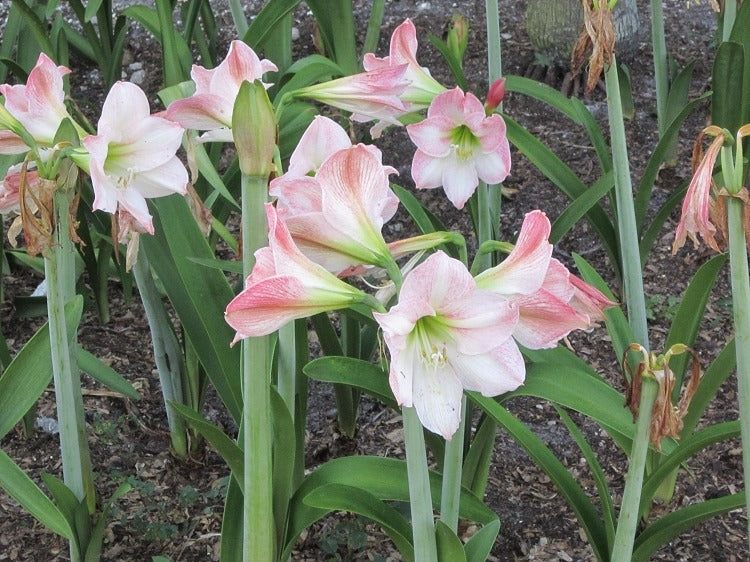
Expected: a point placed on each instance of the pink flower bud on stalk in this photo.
(495, 96)
(132, 156)
(211, 107)
(457, 145)
(285, 285)
(446, 335)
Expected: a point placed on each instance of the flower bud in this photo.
(254, 130)
(496, 95)
(458, 36)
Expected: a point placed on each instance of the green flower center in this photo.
(431, 336)
(464, 142)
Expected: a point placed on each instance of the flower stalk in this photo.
(660, 63)
(59, 271)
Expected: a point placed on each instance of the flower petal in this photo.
(544, 320)
(432, 136)
(493, 373)
(460, 180)
(319, 141)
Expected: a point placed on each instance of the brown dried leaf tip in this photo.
(597, 35)
(666, 418)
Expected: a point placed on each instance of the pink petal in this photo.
(493, 373)
(135, 204)
(201, 112)
(557, 281)
(321, 139)
(589, 300)
(44, 86)
(11, 143)
(404, 44)
(544, 320)
(427, 171)
(478, 322)
(439, 280)
(432, 136)
(523, 271)
(492, 168)
(124, 105)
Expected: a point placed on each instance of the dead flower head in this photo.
(666, 418)
(597, 35)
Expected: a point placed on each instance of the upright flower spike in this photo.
(284, 285)
(444, 336)
(210, 108)
(38, 106)
(551, 302)
(422, 87)
(336, 217)
(457, 145)
(132, 156)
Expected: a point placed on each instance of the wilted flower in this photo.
(38, 106)
(284, 285)
(457, 145)
(132, 158)
(336, 216)
(551, 302)
(211, 107)
(444, 336)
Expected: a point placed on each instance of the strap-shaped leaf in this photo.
(105, 374)
(449, 546)
(353, 372)
(30, 372)
(24, 491)
(479, 546)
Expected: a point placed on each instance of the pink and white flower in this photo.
(132, 156)
(368, 95)
(457, 145)
(284, 285)
(446, 335)
(322, 138)
(211, 107)
(39, 105)
(551, 302)
(10, 188)
(403, 50)
(696, 208)
(336, 216)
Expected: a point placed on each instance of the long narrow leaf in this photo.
(105, 374)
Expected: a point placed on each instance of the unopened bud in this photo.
(254, 130)
(458, 36)
(496, 95)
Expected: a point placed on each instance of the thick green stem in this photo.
(494, 56)
(167, 352)
(452, 473)
(741, 304)
(660, 63)
(626, 224)
(59, 268)
(258, 531)
(631, 498)
(420, 499)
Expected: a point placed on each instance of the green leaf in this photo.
(176, 67)
(422, 217)
(198, 294)
(24, 491)
(223, 445)
(740, 35)
(449, 546)
(668, 527)
(353, 372)
(626, 92)
(94, 550)
(545, 459)
(306, 71)
(232, 523)
(687, 447)
(267, 19)
(36, 27)
(687, 320)
(479, 546)
(580, 206)
(649, 237)
(91, 8)
(75, 511)
(564, 178)
(726, 102)
(335, 20)
(222, 265)
(283, 460)
(105, 374)
(30, 372)
(385, 478)
(450, 59)
(355, 499)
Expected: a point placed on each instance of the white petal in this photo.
(437, 398)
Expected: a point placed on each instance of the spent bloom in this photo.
(132, 156)
(336, 216)
(38, 106)
(457, 145)
(211, 107)
(551, 301)
(446, 335)
(284, 285)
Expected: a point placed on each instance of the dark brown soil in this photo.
(174, 509)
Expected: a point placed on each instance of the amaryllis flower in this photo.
(132, 156)
(336, 216)
(284, 285)
(444, 336)
(322, 138)
(211, 107)
(696, 208)
(550, 304)
(422, 86)
(457, 145)
(10, 187)
(368, 95)
(39, 105)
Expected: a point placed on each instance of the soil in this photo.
(175, 507)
